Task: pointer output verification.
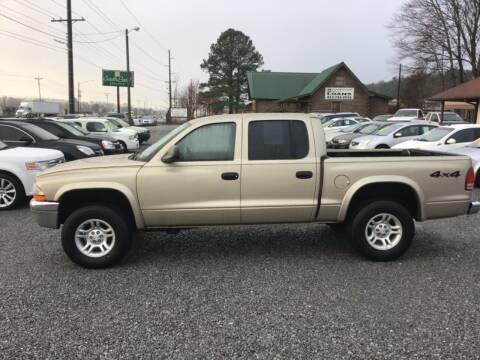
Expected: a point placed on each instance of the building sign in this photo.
(116, 78)
(339, 93)
(179, 112)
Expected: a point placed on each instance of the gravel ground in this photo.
(257, 292)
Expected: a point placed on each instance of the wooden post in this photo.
(443, 110)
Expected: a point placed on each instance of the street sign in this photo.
(116, 78)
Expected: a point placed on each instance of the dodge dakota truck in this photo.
(250, 169)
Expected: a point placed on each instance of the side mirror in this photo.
(451, 141)
(172, 155)
(397, 135)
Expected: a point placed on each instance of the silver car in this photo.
(391, 135)
(472, 150)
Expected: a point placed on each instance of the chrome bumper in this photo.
(45, 213)
(474, 207)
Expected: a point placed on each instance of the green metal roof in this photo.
(284, 86)
(319, 80)
(277, 85)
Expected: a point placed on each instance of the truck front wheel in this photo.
(382, 230)
(96, 237)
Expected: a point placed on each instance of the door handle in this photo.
(304, 174)
(230, 176)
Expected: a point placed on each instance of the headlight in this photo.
(131, 137)
(343, 141)
(43, 165)
(37, 165)
(86, 150)
(108, 145)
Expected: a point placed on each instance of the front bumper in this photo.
(45, 213)
(474, 208)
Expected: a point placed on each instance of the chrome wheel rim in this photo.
(94, 238)
(383, 231)
(8, 193)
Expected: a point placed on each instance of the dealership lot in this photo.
(278, 291)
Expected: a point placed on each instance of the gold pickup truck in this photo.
(250, 169)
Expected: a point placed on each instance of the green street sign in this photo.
(116, 78)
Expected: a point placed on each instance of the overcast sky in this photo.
(301, 36)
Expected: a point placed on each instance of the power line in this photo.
(98, 41)
(100, 13)
(30, 27)
(35, 7)
(147, 54)
(31, 41)
(143, 26)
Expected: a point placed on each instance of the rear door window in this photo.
(277, 140)
(9, 133)
(95, 126)
(464, 136)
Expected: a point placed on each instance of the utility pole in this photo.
(79, 95)
(129, 109)
(129, 78)
(106, 95)
(70, 21)
(399, 85)
(38, 78)
(169, 113)
(118, 99)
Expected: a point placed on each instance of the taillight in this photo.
(470, 180)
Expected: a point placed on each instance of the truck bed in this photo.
(384, 153)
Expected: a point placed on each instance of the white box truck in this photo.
(37, 108)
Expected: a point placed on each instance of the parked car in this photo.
(473, 151)
(16, 133)
(342, 131)
(343, 140)
(444, 138)
(328, 117)
(449, 117)
(339, 123)
(407, 115)
(66, 130)
(143, 134)
(18, 168)
(148, 120)
(123, 116)
(391, 135)
(382, 117)
(128, 139)
(261, 168)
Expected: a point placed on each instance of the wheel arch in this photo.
(397, 188)
(18, 178)
(70, 196)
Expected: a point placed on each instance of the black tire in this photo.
(19, 196)
(122, 232)
(358, 230)
(382, 146)
(123, 146)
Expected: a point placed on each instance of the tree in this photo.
(189, 98)
(229, 60)
(439, 36)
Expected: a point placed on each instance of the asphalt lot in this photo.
(257, 292)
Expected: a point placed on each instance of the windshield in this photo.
(150, 151)
(406, 112)
(436, 134)
(352, 128)
(39, 132)
(451, 117)
(389, 129)
(122, 123)
(77, 131)
(115, 123)
(2, 145)
(370, 129)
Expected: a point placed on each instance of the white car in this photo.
(389, 136)
(444, 138)
(143, 133)
(127, 138)
(18, 168)
(340, 123)
(407, 115)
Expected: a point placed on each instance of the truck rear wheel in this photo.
(96, 237)
(382, 230)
